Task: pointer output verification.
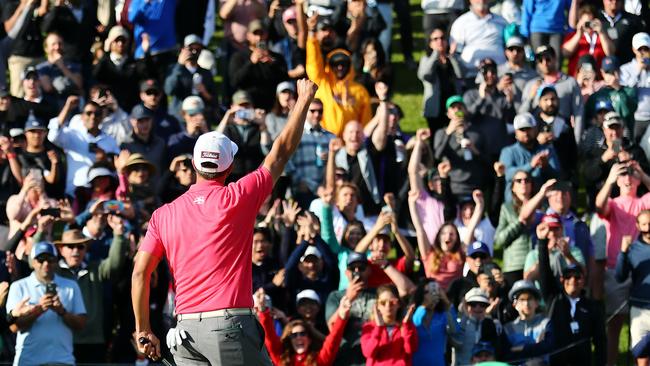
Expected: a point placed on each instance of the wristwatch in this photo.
(11, 319)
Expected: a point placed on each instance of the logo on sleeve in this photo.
(199, 200)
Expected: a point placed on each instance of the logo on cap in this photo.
(209, 155)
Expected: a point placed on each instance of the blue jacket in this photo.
(156, 18)
(543, 16)
(637, 261)
(516, 157)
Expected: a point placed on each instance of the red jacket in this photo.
(380, 349)
(326, 355)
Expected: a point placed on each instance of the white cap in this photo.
(191, 39)
(311, 250)
(193, 104)
(640, 40)
(476, 295)
(214, 147)
(307, 294)
(524, 120)
(285, 85)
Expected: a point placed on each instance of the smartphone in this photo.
(50, 288)
(37, 174)
(113, 206)
(92, 147)
(616, 146)
(245, 114)
(52, 211)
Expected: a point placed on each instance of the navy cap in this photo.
(603, 104)
(34, 123)
(478, 247)
(355, 257)
(523, 286)
(609, 64)
(28, 71)
(571, 268)
(482, 347)
(140, 112)
(43, 247)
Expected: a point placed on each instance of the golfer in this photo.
(206, 236)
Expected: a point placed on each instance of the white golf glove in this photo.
(175, 337)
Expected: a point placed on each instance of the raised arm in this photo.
(476, 218)
(602, 198)
(285, 145)
(416, 157)
(528, 209)
(423, 242)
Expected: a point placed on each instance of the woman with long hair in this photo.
(386, 339)
(298, 345)
(435, 323)
(513, 234)
(285, 98)
(372, 66)
(443, 260)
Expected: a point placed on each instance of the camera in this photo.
(52, 211)
(92, 147)
(245, 114)
(588, 24)
(113, 207)
(50, 288)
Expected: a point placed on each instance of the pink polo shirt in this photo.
(622, 221)
(207, 235)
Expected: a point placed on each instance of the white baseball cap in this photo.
(311, 250)
(640, 40)
(214, 147)
(307, 294)
(524, 120)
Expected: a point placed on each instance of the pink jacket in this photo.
(381, 349)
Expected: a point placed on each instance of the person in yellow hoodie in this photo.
(343, 98)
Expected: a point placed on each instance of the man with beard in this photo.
(343, 98)
(555, 130)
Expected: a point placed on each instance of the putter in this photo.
(143, 341)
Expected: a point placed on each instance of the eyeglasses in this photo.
(522, 180)
(297, 334)
(49, 259)
(477, 305)
(151, 92)
(391, 302)
(92, 113)
(77, 246)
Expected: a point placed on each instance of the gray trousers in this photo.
(232, 340)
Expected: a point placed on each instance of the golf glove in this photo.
(175, 337)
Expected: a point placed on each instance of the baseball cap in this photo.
(476, 295)
(552, 220)
(641, 39)
(586, 63)
(324, 23)
(339, 56)
(571, 268)
(355, 257)
(514, 41)
(115, 33)
(191, 39)
(609, 64)
(15, 132)
(454, 99)
(28, 71)
(149, 84)
(482, 347)
(524, 120)
(311, 250)
(307, 294)
(285, 85)
(544, 50)
(214, 147)
(289, 13)
(34, 123)
(4, 92)
(603, 104)
(256, 25)
(99, 172)
(141, 112)
(545, 89)
(241, 97)
(193, 105)
(612, 118)
(43, 247)
(478, 247)
(562, 185)
(523, 286)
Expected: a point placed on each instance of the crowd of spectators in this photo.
(514, 227)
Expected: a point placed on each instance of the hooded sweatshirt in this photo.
(343, 100)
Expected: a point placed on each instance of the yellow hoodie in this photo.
(343, 100)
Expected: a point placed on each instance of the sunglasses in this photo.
(479, 255)
(77, 246)
(316, 111)
(391, 302)
(515, 49)
(477, 305)
(151, 92)
(522, 180)
(298, 334)
(48, 259)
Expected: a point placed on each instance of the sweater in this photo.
(325, 355)
(394, 348)
(636, 261)
(513, 237)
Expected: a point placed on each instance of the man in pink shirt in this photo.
(619, 215)
(206, 236)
